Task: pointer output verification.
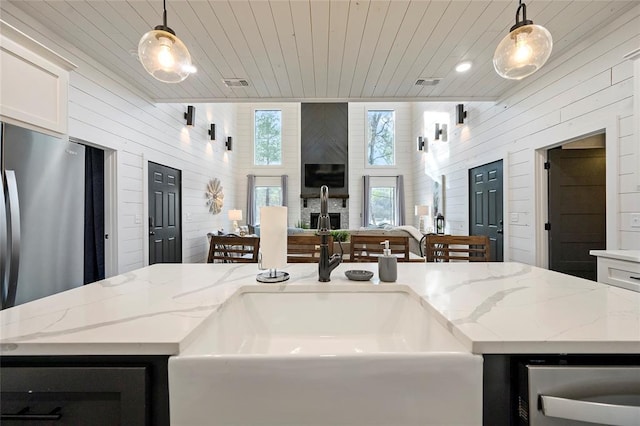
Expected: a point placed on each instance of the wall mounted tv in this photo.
(316, 175)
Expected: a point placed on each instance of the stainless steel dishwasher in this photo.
(558, 395)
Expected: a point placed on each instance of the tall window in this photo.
(381, 138)
(267, 137)
(267, 196)
(382, 206)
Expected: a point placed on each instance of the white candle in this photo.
(273, 236)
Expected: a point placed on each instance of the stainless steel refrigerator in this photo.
(41, 215)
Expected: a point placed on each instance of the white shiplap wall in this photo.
(586, 90)
(405, 156)
(107, 112)
(421, 191)
(290, 155)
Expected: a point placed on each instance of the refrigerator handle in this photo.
(13, 239)
(586, 411)
(3, 242)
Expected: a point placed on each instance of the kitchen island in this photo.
(499, 310)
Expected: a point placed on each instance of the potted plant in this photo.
(340, 244)
(340, 235)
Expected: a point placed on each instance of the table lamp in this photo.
(421, 212)
(235, 216)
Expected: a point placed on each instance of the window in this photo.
(267, 137)
(381, 138)
(382, 206)
(267, 196)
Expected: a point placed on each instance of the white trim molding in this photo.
(567, 132)
(634, 56)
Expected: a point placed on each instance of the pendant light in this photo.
(164, 55)
(524, 50)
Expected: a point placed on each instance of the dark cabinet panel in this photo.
(76, 395)
(91, 390)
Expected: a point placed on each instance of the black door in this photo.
(485, 206)
(165, 238)
(577, 209)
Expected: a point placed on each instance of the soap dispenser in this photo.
(387, 265)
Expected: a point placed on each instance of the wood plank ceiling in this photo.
(319, 50)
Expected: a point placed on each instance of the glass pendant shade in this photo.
(164, 55)
(522, 52)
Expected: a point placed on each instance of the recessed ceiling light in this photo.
(463, 66)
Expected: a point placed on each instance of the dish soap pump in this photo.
(387, 265)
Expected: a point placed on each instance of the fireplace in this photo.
(334, 220)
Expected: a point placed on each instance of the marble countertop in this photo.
(628, 255)
(490, 307)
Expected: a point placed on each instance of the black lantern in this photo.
(439, 224)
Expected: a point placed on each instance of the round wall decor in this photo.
(215, 197)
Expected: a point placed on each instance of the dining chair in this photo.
(305, 248)
(446, 248)
(368, 248)
(233, 249)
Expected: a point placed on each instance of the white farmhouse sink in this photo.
(324, 355)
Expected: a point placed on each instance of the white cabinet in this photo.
(34, 82)
(619, 267)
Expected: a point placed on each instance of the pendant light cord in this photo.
(164, 13)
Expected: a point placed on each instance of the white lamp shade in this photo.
(421, 210)
(522, 52)
(235, 214)
(164, 56)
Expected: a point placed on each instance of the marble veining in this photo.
(489, 308)
(68, 331)
(492, 277)
(486, 306)
(224, 278)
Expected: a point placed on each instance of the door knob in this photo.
(499, 231)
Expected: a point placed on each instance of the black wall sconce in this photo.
(227, 144)
(212, 132)
(421, 143)
(461, 114)
(190, 115)
(441, 132)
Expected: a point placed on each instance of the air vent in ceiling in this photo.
(235, 82)
(427, 81)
